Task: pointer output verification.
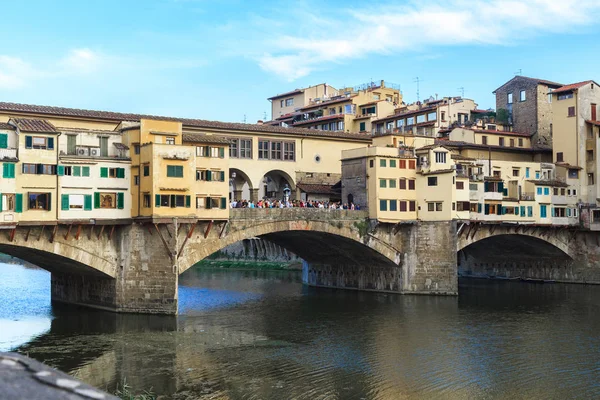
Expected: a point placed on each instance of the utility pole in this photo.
(417, 80)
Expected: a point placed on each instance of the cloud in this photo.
(81, 61)
(354, 33)
(15, 73)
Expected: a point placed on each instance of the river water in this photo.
(262, 335)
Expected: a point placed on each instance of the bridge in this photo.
(134, 267)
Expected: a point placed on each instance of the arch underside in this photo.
(51, 262)
(513, 246)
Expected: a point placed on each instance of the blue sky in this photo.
(221, 59)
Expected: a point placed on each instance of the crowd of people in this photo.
(326, 205)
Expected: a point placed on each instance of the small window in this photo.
(573, 173)
(136, 149)
(501, 141)
(512, 142)
(515, 172)
(382, 183)
(509, 98)
(146, 201)
(289, 102)
(589, 155)
(520, 142)
(39, 201)
(591, 179)
(382, 163)
(432, 181)
(393, 205)
(402, 183)
(175, 171)
(136, 180)
(411, 184)
(402, 164)
(460, 185)
(430, 206)
(522, 96)
(146, 170)
(484, 140)
(392, 163)
(440, 157)
(559, 157)
(382, 205)
(571, 112)
(170, 140)
(392, 184)
(371, 163)
(438, 206)
(106, 200)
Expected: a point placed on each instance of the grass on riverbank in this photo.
(249, 265)
(124, 392)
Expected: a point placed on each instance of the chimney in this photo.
(259, 122)
(382, 83)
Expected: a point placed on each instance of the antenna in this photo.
(519, 72)
(264, 115)
(462, 91)
(244, 118)
(417, 80)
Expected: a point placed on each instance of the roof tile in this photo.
(34, 125)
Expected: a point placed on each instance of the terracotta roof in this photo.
(407, 113)
(439, 171)
(5, 125)
(187, 122)
(491, 132)
(548, 183)
(571, 86)
(296, 91)
(200, 138)
(120, 146)
(323, 118)
(328, 102)
(542, 81)
(567, 165)
(34, 125)
(316, 188)
(589, 121)
(460, 144)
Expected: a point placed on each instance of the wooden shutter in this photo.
(96, 200)
(157, 200)
(60, 170)
(120, 172)
(188, 201)
(76, 171)
(28, 142)
(120, 200)
(50, 142)
(173, 201)
(103, 172)
(223, 203)
(19, 202)
(208, 176)
(85, 171)
(221, 152)
(64, 202)
(5, 170)
(3, 141)
(87, 202)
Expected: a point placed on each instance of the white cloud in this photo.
(15, 73)
(81, 61)
(355, 33)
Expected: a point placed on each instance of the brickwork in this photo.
(354, 181)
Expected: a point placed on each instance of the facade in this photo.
(525, 104)
(10, 210)
(427, 118)
(287, 103)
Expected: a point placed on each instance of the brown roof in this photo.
(589, 121)
(120, 146)
(5, 125)
(328, 102)
(548, 183)
(200, 138)
(187, 122)
(34, 125)
(542, 81)
(439, 171)
(491, 132)
(407, 113)
(323, 118)
(296, 91)
(316, 188)
(461, 144)
(571, 86)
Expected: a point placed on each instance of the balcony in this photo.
(493, 196)
(528, 196)
(461, 173)
(8, 154)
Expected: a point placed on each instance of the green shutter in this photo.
(169, 170)
(64, 202)
(223, 203)
(103, 172)
(500, 187)
(221, 152)
(19, 202)
(486, 187)
(188, 201)
(60, 170)
(173, 201)
(180, 172)
(208, 203)
(49, 202)
(222, 176)
(85, 171)
(157, 200)
(5, 170)
(120, 200)
(77, 171)
(486, 207)
(96, 200)
(28, 142)
(87, 202)
(479, 208)
(208, 176)
(498, 210)
(120, 172)
(50, 143)
(3, 141)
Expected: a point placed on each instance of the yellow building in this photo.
(9, 209)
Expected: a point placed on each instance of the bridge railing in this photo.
(296, 213)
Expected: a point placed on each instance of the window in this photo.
(175, 171)
(571, 112)
(410, 121)
(512, 143)
(105, 200)
(146, 170)
(382, 183)
(200, 202)
(539, 191)
(573, 173)
(443, 115)
(520, 142)
(402, 183)
(210, 176)
(382, 162)
(402, 206)
(363, 126)
(565, 96)
(39, 142)
(555, 191)
(281, 103)
(440, 157)
(463, 206)
(8, 202)
(147, 201)
(589, 155)
(515, 172)
(29, 168)
(103, 147)
(550, 95)
(393, 205)
(501, 141)
(382, 205)
(559, 157)
(412, 205)
(546, 191)
(8, 170)
(369, 110)
(39, 201)
(112, 172)
(289, 151)
(420, 118)
(371, 163)
(399, 123)
(509, 99)
(432, 116)
(392, 163)
(484, 140)
(136, 180)
(403, 164)
(432, 181)
(136, 148)
(590, 179)
(460, 185)
(412, 164)
(240, 148)
(289, 102)
(522, 96)
(392, 184)
(411, 184)
(170, 140)
(543, 211)
(76, 202)
(430, 206)
(39, 169)
(71, 144)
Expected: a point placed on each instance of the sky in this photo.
(221, 60)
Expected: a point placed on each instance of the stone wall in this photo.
(354, 181)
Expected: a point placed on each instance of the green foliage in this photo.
(502, 116)
(124, 392)
(362, 227)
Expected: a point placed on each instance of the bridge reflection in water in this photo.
(280, 339)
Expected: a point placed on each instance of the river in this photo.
(263, 335)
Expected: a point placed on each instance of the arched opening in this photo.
(240, 185)
(514, 256)
(275, 184)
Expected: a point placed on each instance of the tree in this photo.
(502, 116)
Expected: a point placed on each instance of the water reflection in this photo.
(245, 334)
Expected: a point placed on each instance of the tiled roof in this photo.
(120, 146)
(34, 125)
(548, 183)
(461, 144)
(200, 138)
(589, 121)
(542, 81)
(502, 133)
(323, 118)
(296, 91)
(187, 122)
(5, 125)
(407, 113)
(328, 102)
(316, 188)
(571, 86)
